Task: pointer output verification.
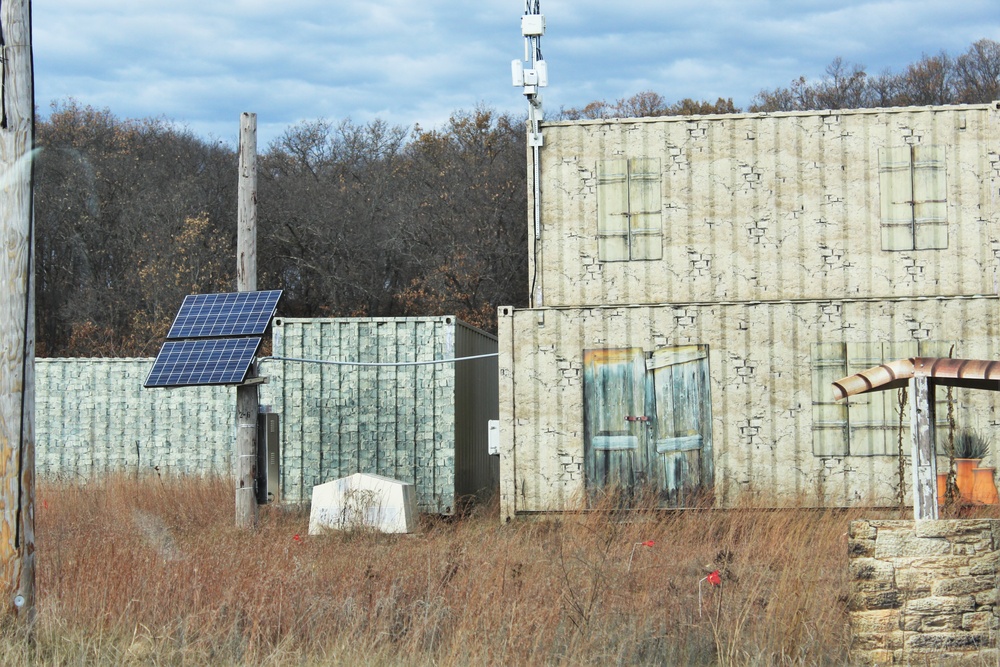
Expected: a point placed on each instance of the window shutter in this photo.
(896, 197)
(930, 208)
(612, 210)
(829, 416)
(645, 204)
(892, 351)
(867, 414)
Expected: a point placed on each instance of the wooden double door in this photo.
(648, 422)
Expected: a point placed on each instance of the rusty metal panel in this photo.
(775, 206)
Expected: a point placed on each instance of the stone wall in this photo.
(924, 592)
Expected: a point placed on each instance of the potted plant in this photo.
(970, 449)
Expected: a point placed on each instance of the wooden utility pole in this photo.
(17, 314)
(247, 399)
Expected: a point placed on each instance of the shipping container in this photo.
(425, 424)
(743, 207)
(699, 282)
(724, 402)
(93, 416)
(418, 422)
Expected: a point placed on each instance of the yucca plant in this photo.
(971, 445)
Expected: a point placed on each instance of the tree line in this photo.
(353, 219)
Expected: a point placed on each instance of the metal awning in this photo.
(972, 373)
(923, 374)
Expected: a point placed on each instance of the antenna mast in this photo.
(530, 74)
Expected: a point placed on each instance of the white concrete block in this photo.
(364, 502)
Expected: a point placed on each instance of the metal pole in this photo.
(247, 399)
(17, 314)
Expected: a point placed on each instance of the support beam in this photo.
(924, 457)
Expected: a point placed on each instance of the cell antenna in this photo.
(530, 74)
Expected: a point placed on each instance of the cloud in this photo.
(201, 64)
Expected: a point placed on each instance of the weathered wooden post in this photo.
(247, 399)
(924, 460)
(17, 313)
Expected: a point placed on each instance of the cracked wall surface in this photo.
(773, 237)
(769, 206)
(762, 394)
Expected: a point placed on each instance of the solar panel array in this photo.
(203, 361)
(225, 314)
(213, 339)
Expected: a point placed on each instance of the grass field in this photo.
(154, 572)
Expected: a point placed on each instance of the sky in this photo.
(199, 64)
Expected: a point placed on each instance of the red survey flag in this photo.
(714, 578)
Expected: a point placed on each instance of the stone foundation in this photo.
(924, 592)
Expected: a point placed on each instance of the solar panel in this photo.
(183, 363)
(225, 314)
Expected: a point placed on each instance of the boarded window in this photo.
(865, 424)
(629, 203)
(913, 192)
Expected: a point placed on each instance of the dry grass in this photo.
(154, 572)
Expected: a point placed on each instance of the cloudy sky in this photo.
(200, 63)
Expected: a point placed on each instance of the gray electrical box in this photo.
(268, 458)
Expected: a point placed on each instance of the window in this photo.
(865, 424)
(913, 197)
(629, 203)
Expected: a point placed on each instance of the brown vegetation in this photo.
(153, 571)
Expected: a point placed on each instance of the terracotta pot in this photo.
(963, 477)
(942, 487)
(984, 487)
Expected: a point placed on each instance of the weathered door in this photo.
(647, 421)
(682, 446)
(615, 422)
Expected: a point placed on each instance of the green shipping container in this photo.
(418, 422)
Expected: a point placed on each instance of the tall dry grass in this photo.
(154, 571)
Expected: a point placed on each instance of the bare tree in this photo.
(978, 72)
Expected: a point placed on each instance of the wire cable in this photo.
(380, 364)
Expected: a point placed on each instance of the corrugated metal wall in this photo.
(769, 206)
(94, 416)
(400, 421)
(761, 363)
(422, 424)
(476, 472)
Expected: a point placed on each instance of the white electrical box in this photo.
(532, 25)
(542, 71)
(493, 437)
(517, 72)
